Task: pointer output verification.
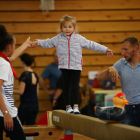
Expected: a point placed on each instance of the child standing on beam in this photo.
(69, 47)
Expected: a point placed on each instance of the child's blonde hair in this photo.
(86, 92)
(66, 18)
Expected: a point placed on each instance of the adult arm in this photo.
(21, 89)
(56, 96)
(8, 121)
(42, 84)
(95, 110)
(38, 90)
(110, 72)
(59, 90)
(19, 50)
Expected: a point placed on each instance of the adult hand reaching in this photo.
(28, 43)
(35, 44)
(31, 44)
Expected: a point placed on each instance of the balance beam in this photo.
(93, 127)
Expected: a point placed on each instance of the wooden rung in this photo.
(71, 5)
(104, 38)
(88, 60)
(80, 16)
(113, 26)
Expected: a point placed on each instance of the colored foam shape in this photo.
(43, 120)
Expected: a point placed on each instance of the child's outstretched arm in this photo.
(109, 53)
(46, 43)
(91, 45)
(19, 50)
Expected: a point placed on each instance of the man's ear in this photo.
(137, 47)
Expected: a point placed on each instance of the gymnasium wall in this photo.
(107, 22)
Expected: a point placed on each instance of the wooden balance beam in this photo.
(93, 127)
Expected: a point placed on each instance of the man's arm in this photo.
(56, 96)
(42, 84)
(58, 93)
(110, 72)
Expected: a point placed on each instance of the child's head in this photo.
(7, 41)
(86, 90)
(65, 20)
(27, 59)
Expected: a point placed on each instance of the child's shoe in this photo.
(76, 110)
(69, 110)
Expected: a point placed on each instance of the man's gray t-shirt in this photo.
(130, 80)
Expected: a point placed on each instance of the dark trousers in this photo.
(132, 115)
(71, 79)
(27, 113)
(16, 134)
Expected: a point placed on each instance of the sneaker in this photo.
(69, 110)
(76, 110)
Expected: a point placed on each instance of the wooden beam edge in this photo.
(93, 127)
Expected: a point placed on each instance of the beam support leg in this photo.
(68, 135)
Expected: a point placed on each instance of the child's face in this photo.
(68, 28)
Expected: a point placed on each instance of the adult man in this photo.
(127, 70)
(52, 73)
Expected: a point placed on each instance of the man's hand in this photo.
(113, 74)
(54, 103)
